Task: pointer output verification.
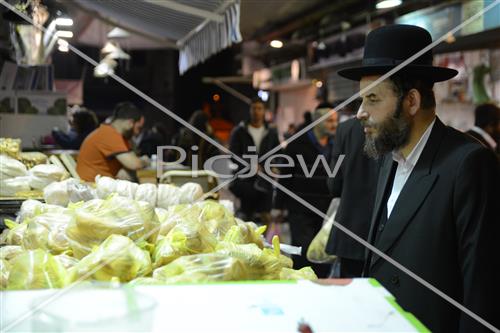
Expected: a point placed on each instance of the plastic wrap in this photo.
(48, 232)
(105, 186)
(78, 191)
(245, 233)
(216, 217)
(66, 191)
(167, 195)
(10, 168)
(36, 270)
(9, 252)
(190, 192)
(117, 257)
(4, 273)
(178, 214)
(189, 237)
(67, 261)
(14, 234)
(126, 189)
(57, 193)
(44, 174)
(316, 251)
(97, 219)
(260, 264)
(9, 187)
(305, 273)
(161, 214)
(146, 192)
(29, 208)
(145, 281)
(202, 268)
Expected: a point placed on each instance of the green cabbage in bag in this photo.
(216, 217)
(9, 252)
(14, 234)
(202, 268)
(4, 273)
(48, 232)
(305, 273)
(188, 237)
(117, 257)
(36, 269)
(97, 219)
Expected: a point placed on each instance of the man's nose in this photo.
(361, 114)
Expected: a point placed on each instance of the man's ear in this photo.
(414, 99)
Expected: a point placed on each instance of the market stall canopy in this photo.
(198, 28)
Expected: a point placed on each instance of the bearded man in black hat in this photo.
(436, 205)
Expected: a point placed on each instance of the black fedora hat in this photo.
(390, 45)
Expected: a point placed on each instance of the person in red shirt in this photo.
(107, 150)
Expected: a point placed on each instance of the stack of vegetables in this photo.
(118, 238)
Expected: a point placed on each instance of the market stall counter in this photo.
(358, 305)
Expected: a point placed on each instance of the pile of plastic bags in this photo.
(124, 240)
(15, 178)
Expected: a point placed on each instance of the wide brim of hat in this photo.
(431, 73)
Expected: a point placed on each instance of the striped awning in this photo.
(198, 28)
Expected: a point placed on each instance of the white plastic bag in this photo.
(44, 174)
(9, 187)
(126, 189)
(57, 193)
(10, 168)
(105, 186)
(190, 192)
(146, 192)
(168, 195)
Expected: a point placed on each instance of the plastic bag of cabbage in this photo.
(35, 269)
(117, 257)
(97, 219)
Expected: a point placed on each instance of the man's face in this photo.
(387, 125)
(134, 128)
(328, 127)
(257, 112)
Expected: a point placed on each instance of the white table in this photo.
(361, 305)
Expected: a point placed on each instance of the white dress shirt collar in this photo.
(412, 159)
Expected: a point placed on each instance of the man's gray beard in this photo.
(393, 134)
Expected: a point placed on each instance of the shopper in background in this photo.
(487, 126)
(290, 131)
(107, 149)
(82, 122)
(156, 136)
(188, 139)
(304, 223)
(355, 184)
(255, 137)
(307, 120)
(436, 205)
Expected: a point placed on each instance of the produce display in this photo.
(106, 234)
(16, 180)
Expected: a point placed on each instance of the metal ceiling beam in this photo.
(178, 7)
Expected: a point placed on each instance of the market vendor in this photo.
(107, 149)
(436, 205)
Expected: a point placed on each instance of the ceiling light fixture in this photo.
(384, 4)
(64, 34)
(64, 21)
(277, 44)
